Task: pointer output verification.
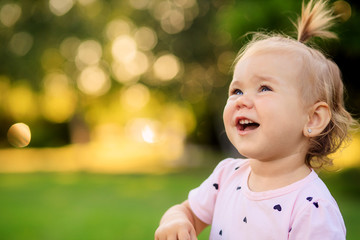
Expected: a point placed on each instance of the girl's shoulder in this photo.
(316, 190)
(315, 196)
(316, 213)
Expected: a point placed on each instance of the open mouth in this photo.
(247, 125)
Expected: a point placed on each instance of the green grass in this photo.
(94, 206)
(87, 206)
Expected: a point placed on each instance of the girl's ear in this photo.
(319, 117)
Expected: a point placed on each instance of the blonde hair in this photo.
(322, 80)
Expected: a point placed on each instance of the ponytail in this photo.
(315, 20)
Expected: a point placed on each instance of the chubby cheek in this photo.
(228, 114)
(282, 119)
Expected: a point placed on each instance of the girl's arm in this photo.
(179, 223)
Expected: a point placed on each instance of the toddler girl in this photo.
(285, 114)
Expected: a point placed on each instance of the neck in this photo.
(273, 174)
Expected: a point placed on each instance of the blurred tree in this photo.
(71, 64)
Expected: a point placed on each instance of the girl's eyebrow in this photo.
(255, 78)
(266, 78)
(234, 82)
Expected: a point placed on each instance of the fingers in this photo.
(178, 230)
(172, 238)
(182, 235)
(186, 235)
(193, 234)
(165, 237)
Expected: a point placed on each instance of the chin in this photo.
(252, 153)
(246, 153)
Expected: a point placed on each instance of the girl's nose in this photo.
(244, 101)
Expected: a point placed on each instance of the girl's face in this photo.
(265, 116)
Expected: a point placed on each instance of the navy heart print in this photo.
(316, 204)
(277, 207)
(245, 220)
(220, 233)
(216, 186)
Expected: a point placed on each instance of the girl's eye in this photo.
(237, 92)
(265, 88)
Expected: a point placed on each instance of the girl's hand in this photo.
(176, 229)
(179, 223)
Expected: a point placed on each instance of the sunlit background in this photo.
(136, 86)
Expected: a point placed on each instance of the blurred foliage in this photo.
(69, 67)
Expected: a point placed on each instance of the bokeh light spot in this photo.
(144, 130)
(59, 99)
(68, 47)
(58, 108)
(89, 53)
(166, 67)
(159, 9)
(138, 65)
(124, 48)
(118, 27)
(122, 73)
(10, 14)
(56, 82)
(135, 97)
(343, 9)
(175, 16)
(145, 38)
(22, 102)
(21, 43)
(60, 7)
(94, 81)
(148, 134)
(173, 21)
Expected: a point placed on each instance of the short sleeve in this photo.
(320, 219)
(202, 199)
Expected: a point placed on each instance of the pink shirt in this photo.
(302, 210)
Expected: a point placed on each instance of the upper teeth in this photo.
(245, 121)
